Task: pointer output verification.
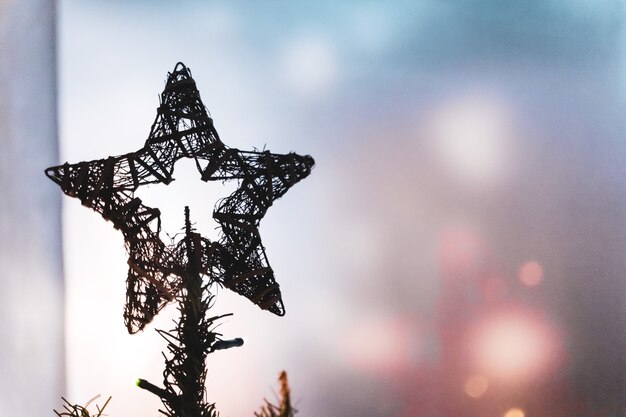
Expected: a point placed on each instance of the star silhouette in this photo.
(183, 129)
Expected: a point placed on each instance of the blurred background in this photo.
(459, 249)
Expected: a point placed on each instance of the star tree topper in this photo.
(183, 129)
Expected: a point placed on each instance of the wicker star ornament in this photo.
(183, 129)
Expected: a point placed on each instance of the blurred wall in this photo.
(31, 329)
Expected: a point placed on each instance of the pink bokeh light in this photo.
(514, 344)
(530, 273)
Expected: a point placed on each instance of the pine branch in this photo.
(75, 410)
(284, 408)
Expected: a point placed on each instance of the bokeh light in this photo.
(471, 135)
(530, 273)
(310, 66)
(513, 345)
(514, 412)
(476, 386)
